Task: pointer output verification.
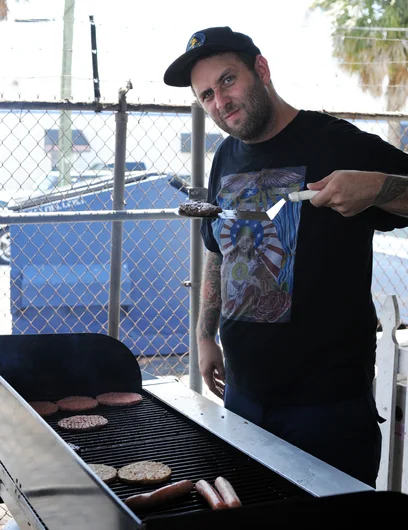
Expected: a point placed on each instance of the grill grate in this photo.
(152, 430)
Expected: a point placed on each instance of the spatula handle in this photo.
(297, 196)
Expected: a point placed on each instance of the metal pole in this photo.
(196, 243)
(97, 90)
(166, 214)
(65, 132)
(121, 119)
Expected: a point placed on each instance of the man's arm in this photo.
(210, 354)
(393, 195)
(351, 192)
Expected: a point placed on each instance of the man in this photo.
(298, 340)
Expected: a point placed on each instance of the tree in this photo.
(366, 44)
(375, 54)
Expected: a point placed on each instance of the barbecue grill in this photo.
(46, 485)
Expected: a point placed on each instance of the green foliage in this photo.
(376, 55)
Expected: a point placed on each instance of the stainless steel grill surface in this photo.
(152, 431)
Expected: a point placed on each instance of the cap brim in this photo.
(179, 72)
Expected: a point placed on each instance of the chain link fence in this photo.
(5, 515)
(55, 276)
(59, 273)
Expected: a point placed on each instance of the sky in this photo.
(138, 41)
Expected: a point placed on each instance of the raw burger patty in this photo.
(44, 408)
(121, 399)
(106, 473)
(77, 403)
(199, 209)
(144, 472)
(83, 423)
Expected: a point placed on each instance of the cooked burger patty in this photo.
(121, 399)
(77, 403)
(83, 423)
(199, 209)
(144, 472)
(44, 408)
(106, 473)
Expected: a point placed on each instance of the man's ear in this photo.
(262, 68)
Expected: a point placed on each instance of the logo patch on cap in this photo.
(195, 41)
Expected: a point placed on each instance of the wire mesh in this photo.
(57, 280)
(5, 515)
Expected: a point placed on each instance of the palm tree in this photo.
(366, 44)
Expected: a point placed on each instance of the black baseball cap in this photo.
(203, 43)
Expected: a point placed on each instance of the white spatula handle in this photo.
(297, 196)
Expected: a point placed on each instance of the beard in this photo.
(259, 112)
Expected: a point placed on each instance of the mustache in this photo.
(228, 109)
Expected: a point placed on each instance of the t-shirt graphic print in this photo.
(258, 256)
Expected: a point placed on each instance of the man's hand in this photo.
(348, 192)
(211, 364)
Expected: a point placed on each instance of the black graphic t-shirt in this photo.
(258, 256)
(297, 320)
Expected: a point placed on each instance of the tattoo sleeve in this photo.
(393, 195)
(210, 302)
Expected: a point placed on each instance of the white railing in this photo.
(391, 398)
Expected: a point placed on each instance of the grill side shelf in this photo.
(284, 459)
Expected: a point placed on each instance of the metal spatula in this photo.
(248, 215)
(234, 215)
(253, 215)
(295, 196)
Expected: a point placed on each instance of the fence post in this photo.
(118, 203)
(65, 135)
(386, 388)
(196, 243)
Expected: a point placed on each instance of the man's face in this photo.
(233, 96)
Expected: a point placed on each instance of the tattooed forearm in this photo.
(395, 191)
(210, 306)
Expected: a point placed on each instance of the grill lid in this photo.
(43, 366)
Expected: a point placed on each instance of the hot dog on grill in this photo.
(159, 496)
(205, 489)
(227, 492)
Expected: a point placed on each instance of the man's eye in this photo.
(229, 79)
(207, 95)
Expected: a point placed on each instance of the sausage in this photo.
(227, 492)
(159, 496)
(205, 489)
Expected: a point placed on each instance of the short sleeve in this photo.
(213, 188)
